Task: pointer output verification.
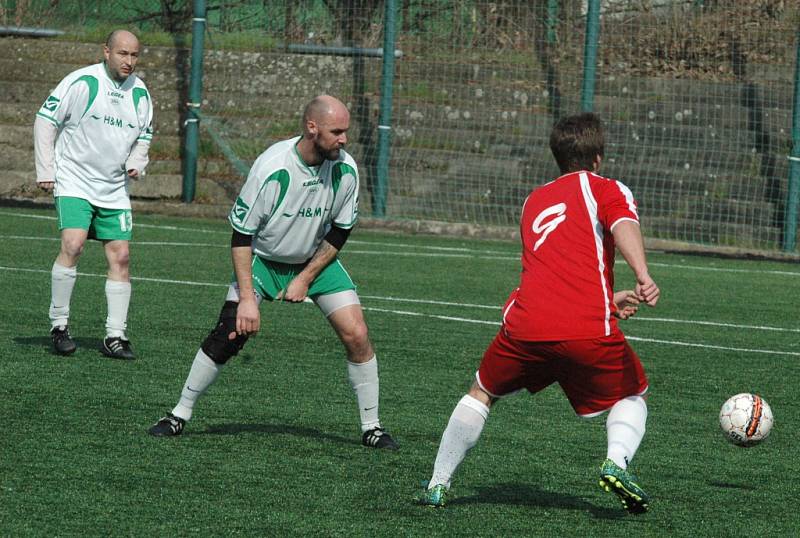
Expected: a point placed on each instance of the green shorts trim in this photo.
(101, 222)
(269, 278)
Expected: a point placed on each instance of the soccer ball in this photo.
(746, 419)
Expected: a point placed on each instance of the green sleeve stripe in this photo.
(48, 118)
(282, 177)
(138, 93)
(92, 83)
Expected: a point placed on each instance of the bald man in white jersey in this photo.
(292, 217)
(91, 137)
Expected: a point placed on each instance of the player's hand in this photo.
(627, 304)
(295, 292)
(133, 173)
(46, 186)
(647, 291)
(248, 319)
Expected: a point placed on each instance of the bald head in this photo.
(323, 109)
(120, 35)
(121, 53)
(325, 124)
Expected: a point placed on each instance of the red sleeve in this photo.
(614, 203)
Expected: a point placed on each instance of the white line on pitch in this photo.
(226, 245)
(717, 324)
(144, 279)
(711, 346)
(724, 269)
(429, 301)
(634, 338)
(488, 254)
(449, 303)
(138, 225)
(435, 316)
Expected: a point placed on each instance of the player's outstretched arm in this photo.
(248, 319)
(628, 238)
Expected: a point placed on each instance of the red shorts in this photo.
(594, 374)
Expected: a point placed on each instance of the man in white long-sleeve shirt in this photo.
(91, 137)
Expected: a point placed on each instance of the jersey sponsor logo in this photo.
(315, 181)
(310, 212)
(114, 122)
(545, 227)
(51, 104)
(240, 209)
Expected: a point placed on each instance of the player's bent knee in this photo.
(217, 345)
(356, 335)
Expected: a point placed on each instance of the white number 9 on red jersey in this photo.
(539, 225)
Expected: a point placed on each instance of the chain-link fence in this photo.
(696, 96)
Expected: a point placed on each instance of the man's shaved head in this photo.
(116, 35)
(321, 108)
(325, 124)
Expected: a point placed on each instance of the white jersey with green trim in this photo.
(288, 206)
(99, 121)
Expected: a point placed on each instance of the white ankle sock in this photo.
(118, 297)
(203, 373)
(625, 427)
(62, 282)
(364, 381)
(462, 433)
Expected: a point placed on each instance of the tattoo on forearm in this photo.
(324, 250)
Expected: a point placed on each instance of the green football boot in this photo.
(623, 484)
(435, 496)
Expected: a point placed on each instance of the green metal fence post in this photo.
(193, 106)
(590, 55)
(385, 120)
(793, 196)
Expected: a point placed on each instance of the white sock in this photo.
(62, 282)
(364, 381)
(462, 433)
(118, 296)
(625, 427)
(203, 373)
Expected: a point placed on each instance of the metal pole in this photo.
(385, 120)
(793, 196)
(590, 55)
(195, 92)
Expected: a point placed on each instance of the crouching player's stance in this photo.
(292, 217)
(560, 325)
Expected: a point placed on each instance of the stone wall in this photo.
(470, 136)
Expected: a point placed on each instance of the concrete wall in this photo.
(469, 139)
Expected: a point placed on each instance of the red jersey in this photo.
(567, 282)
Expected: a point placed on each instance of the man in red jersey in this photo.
(560, 324)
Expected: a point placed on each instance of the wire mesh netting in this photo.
(696, 97)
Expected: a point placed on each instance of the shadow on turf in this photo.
(279, 429)
(528, 495)
(44, 342)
